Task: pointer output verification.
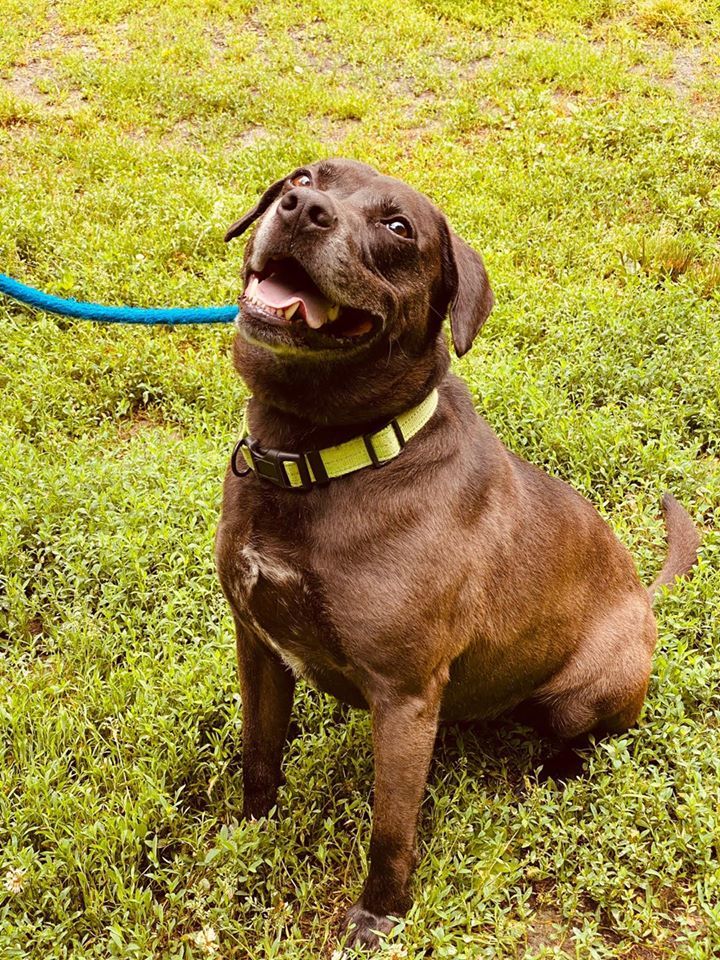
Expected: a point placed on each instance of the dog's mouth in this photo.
(283, 294)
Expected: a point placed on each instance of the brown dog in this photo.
(457, 580)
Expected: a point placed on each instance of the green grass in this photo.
(578, 146)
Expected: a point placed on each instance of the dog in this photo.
(440, 576)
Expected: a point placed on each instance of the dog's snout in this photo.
(307, 210)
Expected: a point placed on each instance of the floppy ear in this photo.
(468, 290)
(241, 225)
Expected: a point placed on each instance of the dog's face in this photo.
(343, 257)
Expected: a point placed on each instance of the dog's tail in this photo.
(683, 542)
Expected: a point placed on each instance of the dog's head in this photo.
(344, 258)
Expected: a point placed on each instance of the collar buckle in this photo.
(316, 468)
(372, 452)
(270, 465)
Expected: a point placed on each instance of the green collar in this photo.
(301, 471)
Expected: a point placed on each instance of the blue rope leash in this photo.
(95, 311)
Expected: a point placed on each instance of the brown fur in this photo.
(456, 581)
(683, 544)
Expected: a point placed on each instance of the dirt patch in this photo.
(193, 133)
(333, 133)
(682, 72)
(468, 70)
(686, 66)
(183, 133)
(318, 53)
(140, 424)
(28, 81)
(548, 930)
(37, 80)
(565, 104)
(248, 138)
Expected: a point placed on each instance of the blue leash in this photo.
(95, 311)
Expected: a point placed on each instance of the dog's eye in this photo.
(301, 180)
(400, 227)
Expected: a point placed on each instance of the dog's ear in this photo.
(241, 225)
(467, 289)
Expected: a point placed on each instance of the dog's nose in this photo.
(306, 209)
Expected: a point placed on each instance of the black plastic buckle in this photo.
(269, 465)
(234, 459)
(367, 440)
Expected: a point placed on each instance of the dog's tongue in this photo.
(281, 292)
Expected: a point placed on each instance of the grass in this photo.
(577, 144)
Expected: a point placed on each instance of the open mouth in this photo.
(283, 294)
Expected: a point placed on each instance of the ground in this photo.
(577, 145)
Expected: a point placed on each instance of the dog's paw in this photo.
(362, 928)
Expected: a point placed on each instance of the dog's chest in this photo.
(283, 604)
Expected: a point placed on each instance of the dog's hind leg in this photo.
(568, 763)
(567, 754)
(602, 688)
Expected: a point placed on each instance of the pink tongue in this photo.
(278, 294)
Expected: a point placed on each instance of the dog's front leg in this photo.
(404, 729)
(267, 687)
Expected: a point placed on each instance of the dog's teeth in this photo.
(252, 287)
(290, 311)
(333, 312)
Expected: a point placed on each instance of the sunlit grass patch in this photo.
(664, 256)
(660, 255)
(14, 110)
(708, 277)
(674, 19)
